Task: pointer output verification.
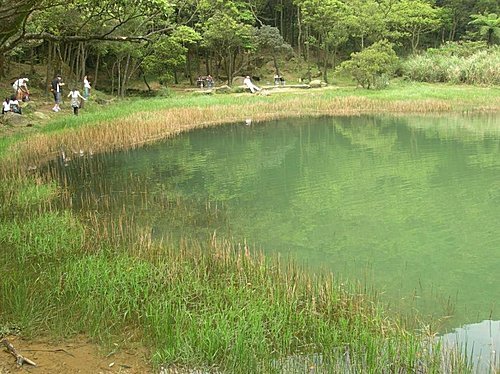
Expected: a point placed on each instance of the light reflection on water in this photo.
(410, 205)
(481, 341)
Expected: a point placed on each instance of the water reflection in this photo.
(481, 341)
(410, 205)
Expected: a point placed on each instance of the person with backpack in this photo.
(14, 105)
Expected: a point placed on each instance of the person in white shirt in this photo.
(86, 87)
(248, 82)
(6, 105)
(20, 87)
(14, 105)
(75, 100)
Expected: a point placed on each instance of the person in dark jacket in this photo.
(56, 88)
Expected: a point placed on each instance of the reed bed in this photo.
(212, 305)
(142, 127)
(209, 304)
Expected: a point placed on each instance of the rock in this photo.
(222, 89)
(39, 115)
(13, 119)
(316, 83)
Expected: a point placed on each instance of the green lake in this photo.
(408, 205)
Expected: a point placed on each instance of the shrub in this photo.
(373, 66)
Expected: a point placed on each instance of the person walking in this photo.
(56, 88)
(75, 100)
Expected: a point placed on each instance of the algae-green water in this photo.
(410, 206)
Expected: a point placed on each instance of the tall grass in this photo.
(194, 303)
(480, 68)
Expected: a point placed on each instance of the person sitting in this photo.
(199, 81)
(248, 82)
(14, 105)
(6, 105)
(210, 81)
(276, 79)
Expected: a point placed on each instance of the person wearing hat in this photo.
(248, 82)
(20, 87)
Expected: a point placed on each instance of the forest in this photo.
(171, 41)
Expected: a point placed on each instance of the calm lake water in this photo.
(409, 205)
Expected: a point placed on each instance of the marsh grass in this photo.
(209, 303)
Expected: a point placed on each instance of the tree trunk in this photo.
(49, 67)
(325, 64)
(299, 35)
(94, 83)
(2, 65)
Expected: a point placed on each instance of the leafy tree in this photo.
(168, 53)
(414, 18)
(372, 66)
(227, 37)
(329, 20)
(488, 26)
(269, 40)
(367, 20)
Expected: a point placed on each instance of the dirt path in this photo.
(76, 356)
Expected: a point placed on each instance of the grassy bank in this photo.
(207, 304)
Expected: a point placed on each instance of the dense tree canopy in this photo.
(120, 40)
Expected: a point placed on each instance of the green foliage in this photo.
(168, 54)
(458, 49)
(373, 66)
(479, 68)
(410, 19)
(488, 26)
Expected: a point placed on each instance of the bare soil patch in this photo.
(75, 356)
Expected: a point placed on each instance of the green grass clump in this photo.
(43, 237)
(480, 68)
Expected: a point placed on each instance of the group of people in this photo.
(205, 81)
(21, 93)
(56, 87)
(11, 104)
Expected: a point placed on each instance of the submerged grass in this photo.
(197, 304)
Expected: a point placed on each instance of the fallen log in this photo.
(20, 359)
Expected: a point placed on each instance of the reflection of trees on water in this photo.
(410, 199)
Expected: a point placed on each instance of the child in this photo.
(75, 100)
(6, 105)
(14, 105)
